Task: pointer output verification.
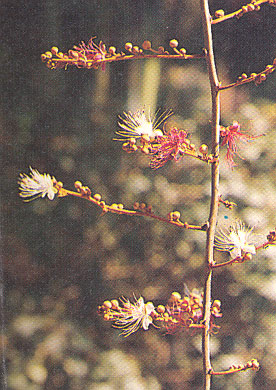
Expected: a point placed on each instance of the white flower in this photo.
(134, 316)
(36, 185)
(237, 239)
(137, 124)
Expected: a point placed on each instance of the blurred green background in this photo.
(62, 259)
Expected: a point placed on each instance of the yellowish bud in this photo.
(219, 13)
(128, 46)
(114, 303)
(107, 304)
(97, 197)
(173, 43)
(112, 50)
(203, 149)
(54, 50)
(175, 296)
(161, 309)
(78, 184)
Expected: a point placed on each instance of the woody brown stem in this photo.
(214, 85)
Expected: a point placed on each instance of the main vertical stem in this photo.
(214, 84)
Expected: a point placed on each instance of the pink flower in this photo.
(230, 136)
(170, 146)
(91, 51)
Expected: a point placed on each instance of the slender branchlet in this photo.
(257, 78)
(254, 5)
(92, 55)
(253, 364)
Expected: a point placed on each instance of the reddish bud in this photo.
(146, 45)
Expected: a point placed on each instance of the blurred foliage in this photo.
(62, 259)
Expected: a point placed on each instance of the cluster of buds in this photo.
(187, 312)
(145, 135)
(83, 190)
(258, 78)
(272, 237)
(253, 6)
(253, 363)
(271, 240)
(227, 203)
(92, 55)
(142, 207)
(171, 145)
(179, 313)
(147, 46)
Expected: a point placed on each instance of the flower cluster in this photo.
(160, 144)
(37, 185)
(230, 136)
(179, 313)
(237, 239)
(83, 56)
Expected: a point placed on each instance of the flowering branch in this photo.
(257, 78)
(238, 241)
(39, 185)
(252, 6)
(252, 364)
(92, 55)
(142, 210)
(179, 313)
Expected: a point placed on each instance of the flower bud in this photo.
(251, 7)
(146, 45)
(145, 150)
(161, 309)
(247, 257)
(78, 185)
(114, 303)
(217, 303)
(183, 51)
(175, 296)
(112, 50)
(132, 141)
(107, 304)
(54, 50)
(97, 197)
(203, 149)
(128, 46)
(136, 49)
(173, 43)
(219, 13)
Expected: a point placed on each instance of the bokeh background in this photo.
(61, 258)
